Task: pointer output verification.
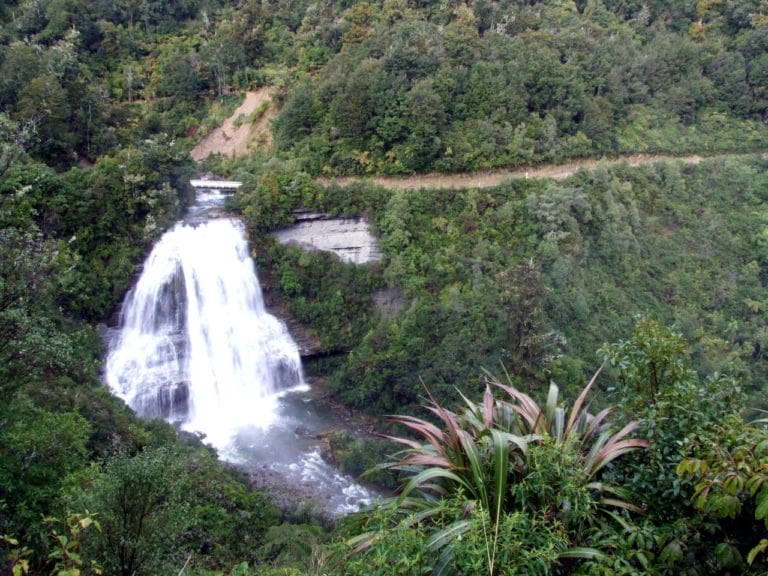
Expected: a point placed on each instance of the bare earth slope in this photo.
(232, 141)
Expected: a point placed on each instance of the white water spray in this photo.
(196, 345)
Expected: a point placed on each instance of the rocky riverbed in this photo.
(294, 461)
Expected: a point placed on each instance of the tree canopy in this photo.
(657, 272)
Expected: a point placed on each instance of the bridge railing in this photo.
(216, 184)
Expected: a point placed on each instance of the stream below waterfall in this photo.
(196, 346)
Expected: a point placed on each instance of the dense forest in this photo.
(579, 364)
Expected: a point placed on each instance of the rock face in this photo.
(352, 241)
(309, 345)
(349, 238)
(388, 302)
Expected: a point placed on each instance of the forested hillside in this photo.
(454, 87)
(96, 99)
(657, 273)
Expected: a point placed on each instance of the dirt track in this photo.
(490, 178)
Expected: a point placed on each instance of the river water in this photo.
(197, 347)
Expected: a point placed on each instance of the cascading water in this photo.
(197, 347)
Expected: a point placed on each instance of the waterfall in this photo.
(196, 345)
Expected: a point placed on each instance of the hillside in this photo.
(636, 242)
(574, 261)
(471, 87)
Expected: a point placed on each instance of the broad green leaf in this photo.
(762, 446)
(725, 505)
(20, 568)
(757, 550)
(584, 553)
(762, 505)
(431, 474)
(645, 558)
(479, 481)
(551, 404)
(728, 556)
(501, 472)
(733, 484)
(447, 534)
(701, 498)
(10, 541)
(755, 484)
(671, 553)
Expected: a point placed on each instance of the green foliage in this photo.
(535, 274)
(539, 274)
(66, 553)
(244, 569)
(676, 407)
(473, 87)
(428, 339)
(14, 139)
(230, 521)
(168, 506)
(38, 449)
(729, 467)
(402, 551)
(361, 458)
(652, 361)
(141, 509)
(512, 464)
(267, 203)
(83, 233)
(110, 88)
(291, 545)
(16, 556)
(649, 547)
(528, 544)
(56, 415)
(126, 201)
(320, 291)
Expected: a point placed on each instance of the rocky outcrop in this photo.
(388, 302)
(352, 241)
(308, 343)
(349, 238)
